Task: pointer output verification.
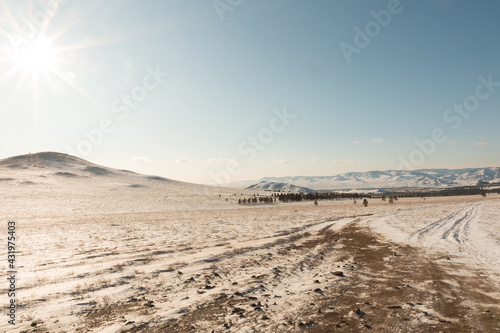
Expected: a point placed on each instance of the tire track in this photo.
(455, 229)
(422, 234)
(461, 236)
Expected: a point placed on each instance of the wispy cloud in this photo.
(281, 161)
(377, 140)
(450, 142)
(344, 162)
(138, 159)
(314, 159)
(182, 160)
(480, 144)
(221, 160)
(141, 159)
(356, 142)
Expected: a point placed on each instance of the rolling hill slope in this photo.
(64, 184)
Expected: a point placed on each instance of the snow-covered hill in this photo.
(279, 186)
(48, 180)
(425, 178)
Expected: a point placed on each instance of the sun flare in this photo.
(37, 56)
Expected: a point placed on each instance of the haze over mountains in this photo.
(53, 169)
(425, 178)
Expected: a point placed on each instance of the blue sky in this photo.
(254, 88)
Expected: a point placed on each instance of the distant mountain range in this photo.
(279, 187)
(51, 164)
(425, 178)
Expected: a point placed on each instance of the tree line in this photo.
(391, 196)
(299, 196)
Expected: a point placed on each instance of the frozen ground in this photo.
(101, 256)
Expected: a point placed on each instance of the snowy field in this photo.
(98, 255)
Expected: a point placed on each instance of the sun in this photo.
(46, 59)
(36, 56)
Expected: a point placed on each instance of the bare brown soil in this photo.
(380, 287)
